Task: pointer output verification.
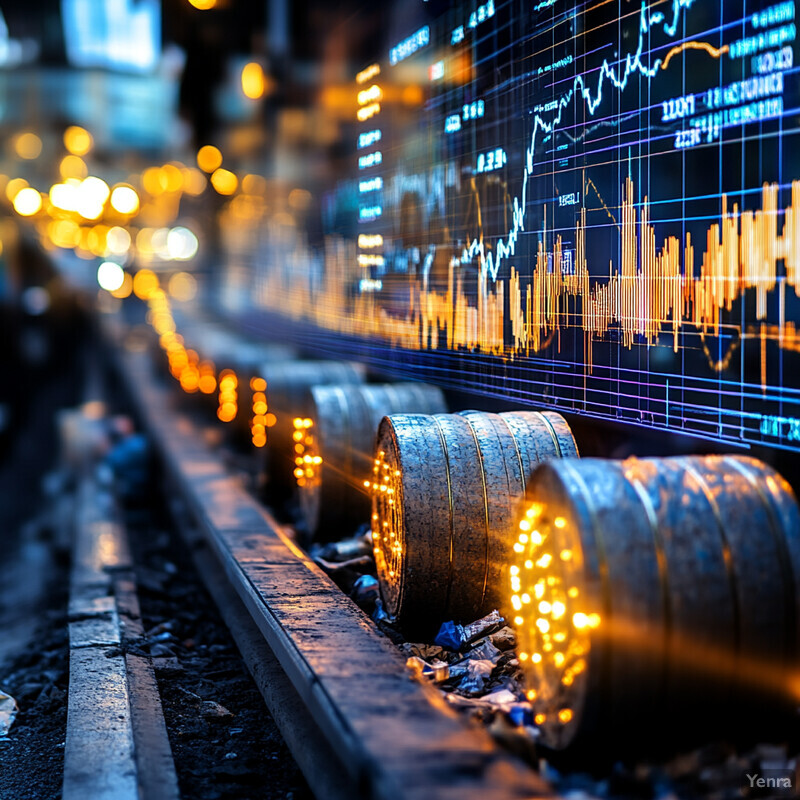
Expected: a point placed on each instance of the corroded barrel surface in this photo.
(446, 490)
(333, 456)
(649, 589)
(287, 396)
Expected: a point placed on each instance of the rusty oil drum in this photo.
(445, 495)
(287, 396)
(333, 457)
(649, 592)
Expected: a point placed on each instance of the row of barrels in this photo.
(639, 589)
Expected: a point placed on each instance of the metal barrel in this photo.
(445, 495)
(217, 353)
(651, 589)
(287, 396)
(227, 349)
(333, 457)
(244, 361)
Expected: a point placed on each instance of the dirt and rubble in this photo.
(32, 754)
(225, 744)
(476, 668)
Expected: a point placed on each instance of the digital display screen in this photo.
(113, 34)
(593, 207)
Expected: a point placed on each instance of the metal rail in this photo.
(355, 722)
(117, 746)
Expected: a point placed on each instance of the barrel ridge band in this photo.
(485, 507)
(552, 430)
(727, 557)
(518, 452)
(787, 576)
(662, 565)
(443, 441)
(521, 421)
(494, 429)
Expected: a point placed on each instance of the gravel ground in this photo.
(32, 761)
(224, 741)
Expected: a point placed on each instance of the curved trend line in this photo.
(714, 52)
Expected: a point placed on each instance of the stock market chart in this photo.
(588, 206)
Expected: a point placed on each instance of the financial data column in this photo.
(589, 206)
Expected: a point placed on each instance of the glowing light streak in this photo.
(714, 52)
(371, 185)
(369, 213)
(370, 260)
(410, 45)
(436, 71)
(371, 95)
(367, 241)
(370, 160)
(762, 41)
(368, 138)
(481, 14)
(367, 74)
(367, 112)
(782, 12)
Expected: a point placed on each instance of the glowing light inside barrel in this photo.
(262, 418)
(553, 621)
(307, 460)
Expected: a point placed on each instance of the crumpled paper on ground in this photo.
(8, 713)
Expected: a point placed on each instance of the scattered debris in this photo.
(438, 671)
(8, 713)
(213, 710)
(335, 566)
(426, 652)
(127, 459)
(353, 555)
(459, 637)
(474, 673)
(366, 591)
(476, 668)
(352, 549)
(504, 639)
(485, 650)
(208, 708)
